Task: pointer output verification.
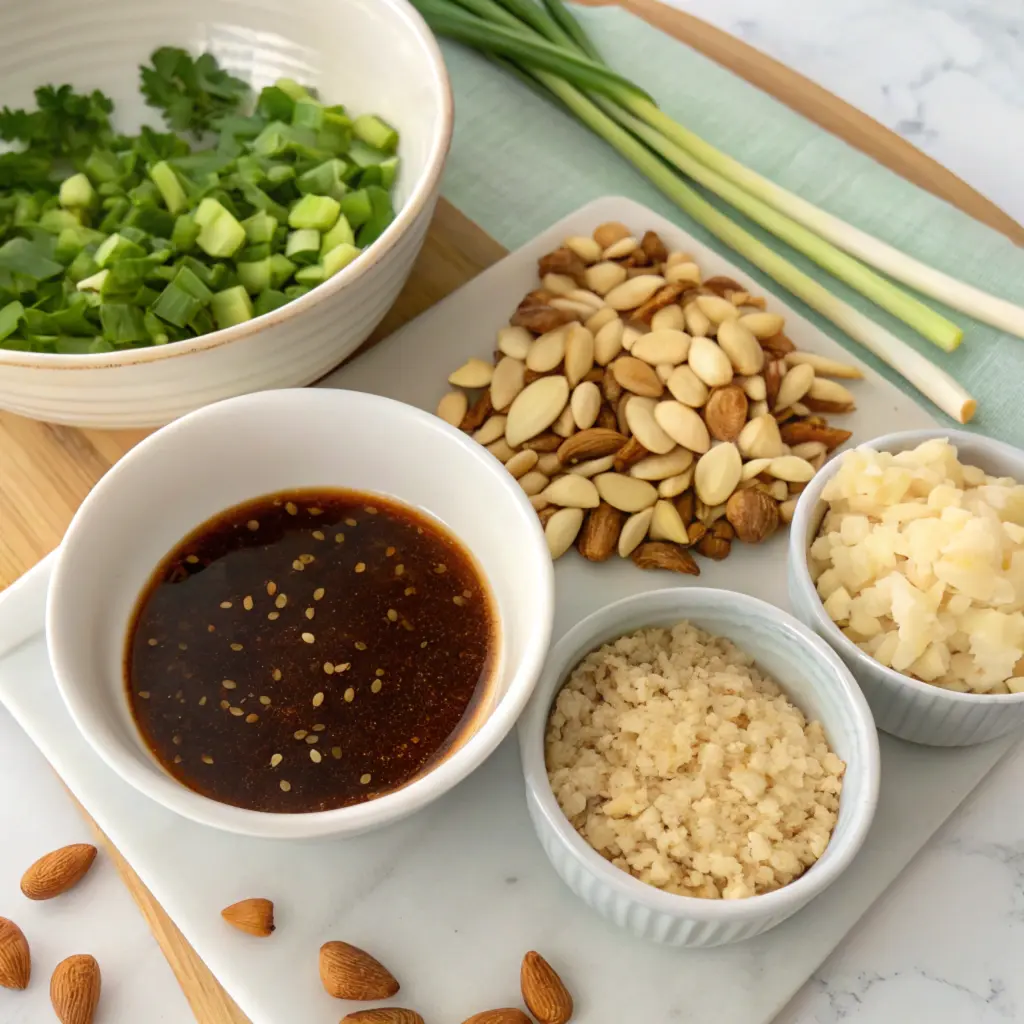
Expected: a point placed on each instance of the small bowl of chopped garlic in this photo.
(907, 556)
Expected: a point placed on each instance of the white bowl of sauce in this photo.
(300, 613)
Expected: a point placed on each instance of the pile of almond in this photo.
(646, 410)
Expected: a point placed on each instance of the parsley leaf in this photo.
(67, 124)
(192, 94)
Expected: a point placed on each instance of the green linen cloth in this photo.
(518, 164)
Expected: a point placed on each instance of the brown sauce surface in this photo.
(309, 650)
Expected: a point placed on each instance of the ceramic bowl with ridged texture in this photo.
(905, 707)
(372, 57)
(815, 680)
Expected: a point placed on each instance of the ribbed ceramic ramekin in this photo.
(902, 706)
(372, 57)
(811, 675)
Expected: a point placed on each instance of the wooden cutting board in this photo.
(46, 470)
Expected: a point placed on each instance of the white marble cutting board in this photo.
(451, 898)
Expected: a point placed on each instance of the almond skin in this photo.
(509, 1015)
(753, 514)
(348, 972)
(56, 872)
(593, 443)
(543, 990)
(600, 535)
(15, 959)
(725, 412)
(658, 554)
(803, 430)
(75, 989)
(385, 1015)
(254, 916)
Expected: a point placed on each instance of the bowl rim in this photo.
(156, 784)
(420, 195)
(800, 574)
(690, 601)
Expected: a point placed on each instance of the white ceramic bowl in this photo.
(812, 676)
(373, 57)
(902, 706)
(258, 444)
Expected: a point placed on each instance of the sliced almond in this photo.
(514, 342)
(547, 351)
(587, 298)
(572, 491)
(673, 486)
(805, 430)
(508, 380)
(603, 316)
(678, 256)
(753, 468)
(687, 387)
(754, 388)
(549, 463)
(787, 509)
(668, 319)
(565, 425)
(535, 408)
(541, 504)
(683, 426)
(453, 407)
(790, 468)
(717, 474)
(573, 309)
(521, 463)
(579, 353)
(664, 371)
(709, 362)
(823, 366)
(558, 284)
(501, 450)
(683, 273)
(608, 341)
(763, 325)
(634, 530)
(794, 385)
(625, 493)
(829, 396)
(533, 483)
(586, 248)
(630, 336)
(592, 467)
(809, 449)
(742, 348)
(780, 490)
(593, 443)
(561, 530)
(585, 404)
(637, 377)
(492, 429)
(603, 277)
(760, 439)
(620, 249)
(660, 347)
(660, 467)
(634, 292)
(697, 323)
(758, 409)
(474, 373)
(640, 418)
(717, 309)
(667, 524)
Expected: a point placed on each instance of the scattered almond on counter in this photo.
(508, 1015)
(253, 916)
(385, 1015)
(633, 400)
(58, 871)
(75, 989)
(15, 959)
(348, 972)
(543, 990)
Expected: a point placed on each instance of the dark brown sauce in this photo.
(309, 650)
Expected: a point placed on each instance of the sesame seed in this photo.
(318, 593)
(375, 686)
(392, 615)
(285, 785)
(281, 600)
(144, 694)
(192, 559)
(236, 647)
(177, 758)
(389, 552)
(310, 613)
(350, 522)
(228, 684)
(206, 759)
(273, 616)
(422, 645)
(202, 702)
(182, 646)
(409, 591)
(297, 565)
(336, 753)
(247, 603)
(271, 588)
(415, 739)
(339, 538)
(253, 524)
(276, 675)
(407, 625)
(306, 559)
(225, 604)
(319, 727)
(379, 672)
(399, 569)
(237, 712)
(151, 641)
(211, 628)
(440, 568)
(364, 779)
(176, 740)
(225, 704)
(311, 739)
(457, 600)
(343, 667)
(328, 668)
(264, 700)
(350, 695)
(371, 509)
(314, 511)
(318, 699)
(275, 760)
(299, 734)
(360, 646)
(360, 567)
(314, 756)
(318, 534)
(308, 638)
(291, 508)
(252, 718)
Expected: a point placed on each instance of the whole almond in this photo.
(804, 430)
(660, 554)
(673, 486)
(508, 380)
(753, 515)
(829, 396)
(644, 427)
(625, 493)
(608, 341)
(453, 407)
(253, 916)
(637, 377)
(585, 404)
(620, 249)
(697, 323)
(521, 463)
(508, 1015)
(795, 384)
(56, 872)
(501, 450)
(572, 491)
(610, 232)
(565, 425)
(587, 298)
(533, 482)
(15, 959)
(683, 425)
(777, 346)
(742, 348)
(717, 473)
(717, 309)
(514, 342)
(634, 530)
(762, 325)
(547, 351)
(543, 991)
(573, 309)
(592, 467)
(593, 443)
(605, 315)
(726, 412)
(755, 467)
(660, 467)
(477, 412)
(760, 439)
(686, 387)
(634, 292)
(709, 362)
(546, 443)
(348, 972)
(474, 373)
(668, 319)
(662, 347)
(754, 388)
(491, 430)
(599, 535)
(790, 468)
(667, 524)
(579, 353)
(683, 273)
(75, 989)
(559, 284)
(664, 371)
(823, 366)
(384, 1015)
(586, 248)
(630, 335)
(535, 408)
(629, 455)
(774, 371)
(787, 509)
(561, 530)
(603, 277)
(808, 449)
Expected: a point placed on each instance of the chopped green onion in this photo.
(20, 256)
(316, 212)
(255, 276)
(340, 256)
(10, 317)
(303, 245)
(77, 191)
(116, 247)
(375, 132)
(220, 234)
(166, 180)
(231, 306)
